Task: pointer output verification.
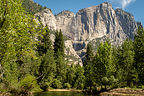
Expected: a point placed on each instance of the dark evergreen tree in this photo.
(88, 67)
(71, 74)
(79, 80)
(89, 55)
(139, 53)
(103, 63)
(47, 68)
(60, 57)
(59, 45)
(126, 60)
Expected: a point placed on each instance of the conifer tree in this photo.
(59, 45)
(139, 53)
(79, 80)
(89, 55)
(60, 57)
(47, 68)
(88, 67)
(103, 62)
(71, 74)
(126, 63)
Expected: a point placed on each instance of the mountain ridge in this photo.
(91, 23)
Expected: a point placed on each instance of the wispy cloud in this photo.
(125, 3)
(122, 3)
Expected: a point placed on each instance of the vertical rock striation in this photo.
(91, 23)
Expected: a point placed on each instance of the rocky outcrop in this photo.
(102, 20)
(64, 22)
(47, 18)
(88, 24)
(72, 55)
(127, 22)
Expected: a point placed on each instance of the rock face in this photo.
(64, 22)
(127, 22)
(91, 23)
(47, 18)
(98, 21)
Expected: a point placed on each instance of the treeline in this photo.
(32, 7)
(28, 59)
(54, 70)
(116, 66)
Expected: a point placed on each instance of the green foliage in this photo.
(57, 84)
(23, 64)
(59, 45)
(104, 65)
(67, 85)
(89, 76)
(61, 69)
(32, 7)
(105, 81)
(89, 55)
(47, 68)
(125, 63)
(71, 74)
(29, 83)
(60, 57)
(113, 81)
(17, 31)
(139, 54)
(88, 67)
(79, 80)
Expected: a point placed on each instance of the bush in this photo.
(57, 84)
(113, 81)
(67, 85)
(105, 80)
(81, 86)
(28, 84)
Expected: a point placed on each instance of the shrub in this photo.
(105, 80)
(67, 85)
(57, 84)
(28, 84)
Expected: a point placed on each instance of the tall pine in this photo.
(60, 57)
(139, 53)
(127, 74)
(88, 67)
(47, 68)
(103, 63)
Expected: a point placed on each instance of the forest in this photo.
(31, 62)
(31, 7)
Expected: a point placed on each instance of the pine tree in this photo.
(60, 57)
(126, 61)
(88, 67)
(79, 80)
(89, 55)
(71, 71)
(139, 53)
(47, 68)
(59, 45)
(103, 63)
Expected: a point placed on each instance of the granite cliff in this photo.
(89, 24)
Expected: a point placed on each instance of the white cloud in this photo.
(125, 3)
(122, 3)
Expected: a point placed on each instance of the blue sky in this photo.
(135, 7)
